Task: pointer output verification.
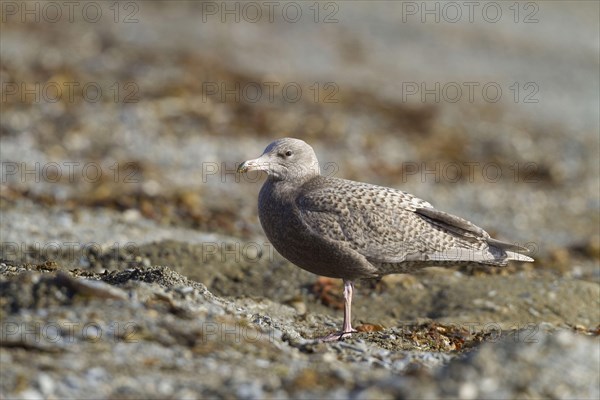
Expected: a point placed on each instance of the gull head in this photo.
(286, 159)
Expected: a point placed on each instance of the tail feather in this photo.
(511, 255)
(513, 251)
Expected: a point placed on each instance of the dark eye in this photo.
(288, 153)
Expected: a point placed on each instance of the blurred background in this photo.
(122, 123)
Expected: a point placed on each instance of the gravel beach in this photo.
(132, 260)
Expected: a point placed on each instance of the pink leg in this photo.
(348, 292)
(347, 327)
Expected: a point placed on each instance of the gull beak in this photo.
(258, 164)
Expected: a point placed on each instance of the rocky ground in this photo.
(153, 333)
(133, 264)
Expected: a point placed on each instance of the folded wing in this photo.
(390, 226)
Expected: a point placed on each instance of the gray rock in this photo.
(556, 365)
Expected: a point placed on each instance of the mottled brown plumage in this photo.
(351, 230)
